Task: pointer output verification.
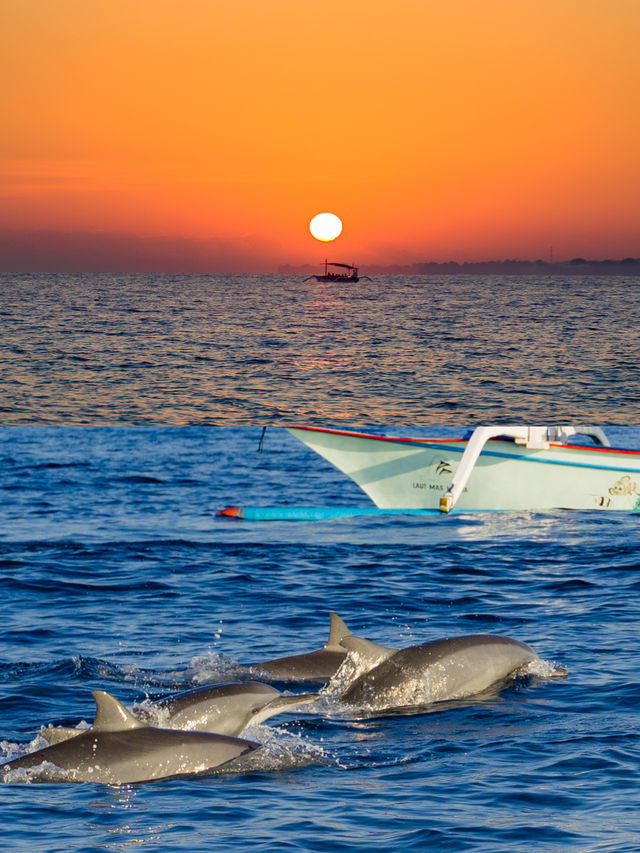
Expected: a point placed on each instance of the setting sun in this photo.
(325, 226)
(446, 131)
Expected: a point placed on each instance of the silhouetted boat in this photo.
(345, 272)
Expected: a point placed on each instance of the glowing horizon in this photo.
(448, 130)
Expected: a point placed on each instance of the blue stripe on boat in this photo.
(521, 458)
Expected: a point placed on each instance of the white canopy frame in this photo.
(536, 438)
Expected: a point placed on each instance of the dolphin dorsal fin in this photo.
(370, 653)
(337, 632)
(111, 715)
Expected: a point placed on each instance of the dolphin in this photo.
(432, 672)
(119, 749)
(225, 709)
(317, 666)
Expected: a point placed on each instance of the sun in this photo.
(325, 226)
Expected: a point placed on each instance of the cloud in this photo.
(86, 251)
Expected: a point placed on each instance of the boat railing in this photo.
(537, 438)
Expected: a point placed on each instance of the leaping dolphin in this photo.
(225, 709)
(317, 666)
(119, 749)
(431, 672)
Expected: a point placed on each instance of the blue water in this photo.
(132, 409)
(116, 574)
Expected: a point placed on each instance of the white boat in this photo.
(495, 468)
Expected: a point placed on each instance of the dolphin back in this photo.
(229, 708)
(369, 654)
(119, 749)
(132, 755)
(56, 734)
(438, 671)
(316, 666)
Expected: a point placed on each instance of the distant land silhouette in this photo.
(576, 266)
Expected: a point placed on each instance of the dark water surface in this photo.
(141, 349)
(116, 574)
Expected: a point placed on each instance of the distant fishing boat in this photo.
(343, 272)
(494, 468)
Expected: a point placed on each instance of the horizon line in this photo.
(510, 265)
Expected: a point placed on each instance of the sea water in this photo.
(404, 350)
(115, 572)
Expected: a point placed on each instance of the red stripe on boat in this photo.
(428, 440)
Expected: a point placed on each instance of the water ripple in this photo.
(399, 349)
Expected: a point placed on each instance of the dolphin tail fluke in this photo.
(111, 715)
(337, 632)
(281, 704)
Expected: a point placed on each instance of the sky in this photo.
(203, 135)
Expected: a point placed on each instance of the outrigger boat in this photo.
(350, 273)
(494, 468)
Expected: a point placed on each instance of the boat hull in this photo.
(416, 473)
(345, 278)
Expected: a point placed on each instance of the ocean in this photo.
(132, 411)
(242, 350)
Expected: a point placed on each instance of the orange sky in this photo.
(206, 133)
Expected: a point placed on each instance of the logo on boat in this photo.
(438, 467)
(624, 486)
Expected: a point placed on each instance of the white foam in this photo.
(211, 667)
(153, 714)
(280, 749)
(351, 668)
(44, 772)
(544, 669)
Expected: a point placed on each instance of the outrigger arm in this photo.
(537, 438)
